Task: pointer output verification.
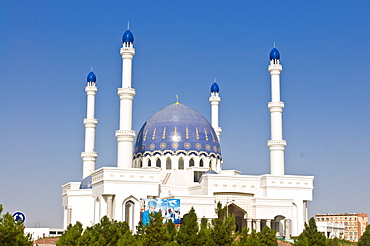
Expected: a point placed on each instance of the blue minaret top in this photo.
(274, 54)
(91, 77)
(128, 37)
(215, 88)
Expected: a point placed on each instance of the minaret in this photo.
(89, 156)
(215, 101)
(125, 135)
(276, 144)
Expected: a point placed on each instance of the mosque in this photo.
(176, 156)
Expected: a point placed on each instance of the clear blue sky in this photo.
(48, 47)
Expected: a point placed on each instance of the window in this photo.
(140, 163)
(197, 175)
(181, 164)
(345, 223)
(201, 163)
(149, 163)
(168, 164)
(158, 163)
(191, 162)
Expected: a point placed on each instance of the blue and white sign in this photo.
(19, 216)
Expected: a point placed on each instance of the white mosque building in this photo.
(177, 155)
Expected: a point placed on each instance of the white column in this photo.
(110, 206)
(268, 223)
(258, 225)
(249, 225)
(125, 135)
(288, 227)
(89, 155)
(276, 144)
(215, 101)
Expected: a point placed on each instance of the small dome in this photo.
(91, 77)
(86, 183)
(215, 88)
(128, 37)
(274, 54)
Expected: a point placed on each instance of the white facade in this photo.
(170, 168)
(331, 230)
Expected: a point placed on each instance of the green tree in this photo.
(171, 229)
(155, 233)
(310, 236)
(365, 238)
(222, 227)
(71, 235)
(204, 233)
(267, 237)
(188, 232)
(12, 233)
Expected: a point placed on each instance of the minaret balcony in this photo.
(86, 156)
(125, 135)
(127, 52)
(90, 123)
(276, 144)
(215, 100)
(126, 93)
(276, 106)
(275, 69)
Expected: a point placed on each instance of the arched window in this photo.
(201, 163)
(149, 163)
(140, 163)
(210, 164)
(129, 213)
(168, 164)
(158, 163)
(191, 162)
(181, 164)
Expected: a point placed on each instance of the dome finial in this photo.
(128, 25)
(91, 77)
(177, 99)
(274, 45)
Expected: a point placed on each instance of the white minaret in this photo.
(276, 144)
(89, 156)
(125, 135)
(215, 101)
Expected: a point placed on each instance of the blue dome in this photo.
(91, 77)
(274, 54)
(86, 183)
(177, 129)
(128, 37)
(215, 88)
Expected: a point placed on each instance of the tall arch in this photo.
(158, 163)
(168, 164)
(97, 211)
(201, 163)
(191, 162)
(181, 164)
(149, 163)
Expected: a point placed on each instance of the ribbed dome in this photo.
(215, 88)
(274, 54)
(128, 37)
(86, 183)
(91, 77)
(177, 129)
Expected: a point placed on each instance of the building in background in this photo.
(354, 223)
(331, 230)
(176, 155)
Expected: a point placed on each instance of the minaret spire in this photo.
(215, 101)
(89, 156)
(276, 144)
(125, 135)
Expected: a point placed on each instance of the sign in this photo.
(169, 208)
(19, 216)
